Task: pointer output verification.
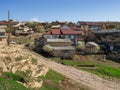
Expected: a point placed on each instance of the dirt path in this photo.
(82, 77)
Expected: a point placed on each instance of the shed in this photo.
(92, 47)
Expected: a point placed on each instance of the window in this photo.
(65, 51)
(47, 36)
(2, 33)
(67, 36)
(72, 36)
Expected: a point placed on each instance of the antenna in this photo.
(8, 39)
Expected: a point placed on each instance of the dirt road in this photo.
(82, 77)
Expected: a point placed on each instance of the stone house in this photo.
(61, 48)
(90, 26)
(3, 36)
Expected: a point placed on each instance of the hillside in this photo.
(20, 66)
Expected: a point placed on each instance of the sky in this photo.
(60, 10)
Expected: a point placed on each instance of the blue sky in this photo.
(61, 10)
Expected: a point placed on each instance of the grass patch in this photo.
(105, 71)
(53, 79)
(52, 75)
(98, 69)
(12, 76)
(34, 60)
(47, 86)
(68, 62)
(18, 58)
(10, 84)
(73, 63)
(24, 75)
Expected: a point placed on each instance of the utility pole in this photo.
(8, 39)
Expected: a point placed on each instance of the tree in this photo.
(47, 25)
(110, 26)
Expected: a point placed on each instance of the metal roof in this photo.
(63, 48)
(65, 27)
(107, 31)
(56, 26)
(58, 40)
(93, 43)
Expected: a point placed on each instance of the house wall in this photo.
(48, 36)
(69, 36)
(4, 39)
(91, 27)
(64, 53)
(51, 36)
(91, 48)
(84, 27)
(3, 26)
(73, 38)
(59, 43)
(94, 27)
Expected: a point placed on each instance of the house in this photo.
(22, 29)
(3, 36)
(3, 24)
(61, 48)
(91, 47)
(110, 39)
(75, 28)
(90, 26)
(64, 33)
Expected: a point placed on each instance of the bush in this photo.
(24, 75)
(80, 46)
(97, 49)
(76, 57)
(48, 48)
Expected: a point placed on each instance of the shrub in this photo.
(47, 48)
(76, 57)
(97, 49)
(80, 46)
(24, 75)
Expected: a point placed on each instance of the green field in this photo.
(101, 70)
(105, 72)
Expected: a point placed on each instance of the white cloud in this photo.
(35, 19)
